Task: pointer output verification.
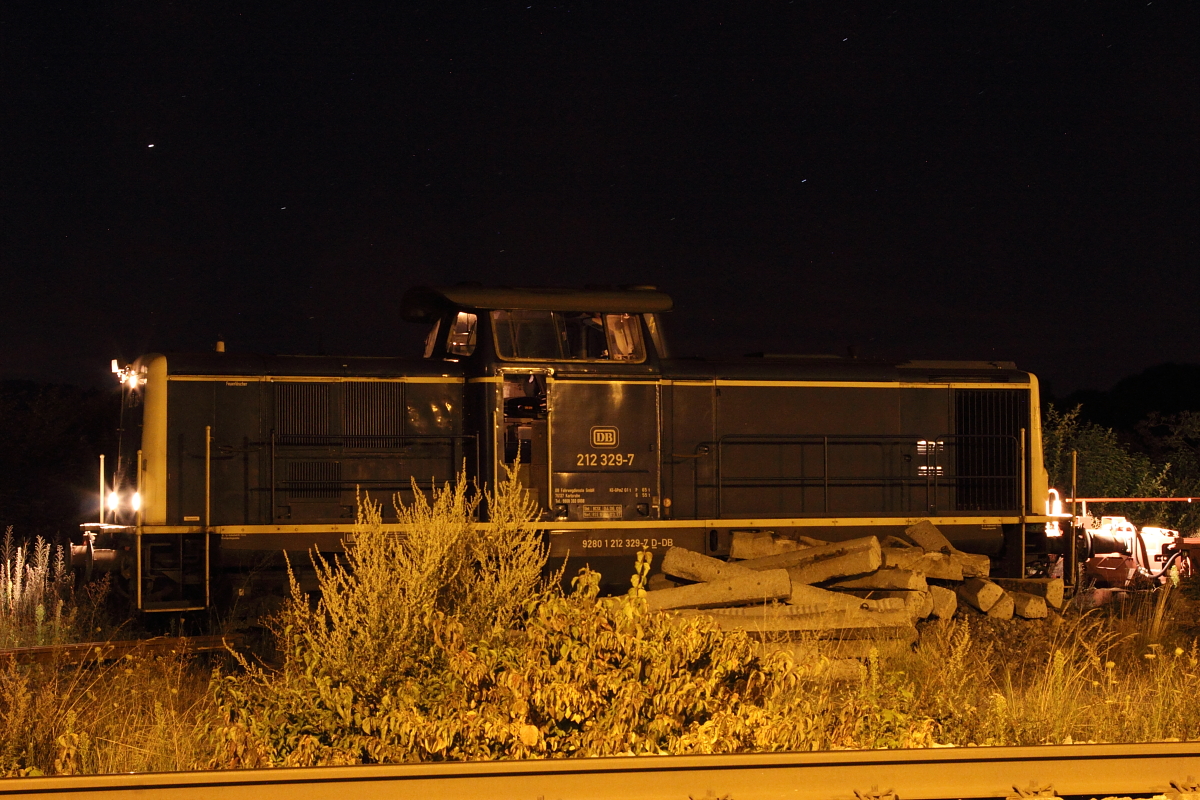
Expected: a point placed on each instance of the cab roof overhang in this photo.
(426, 303)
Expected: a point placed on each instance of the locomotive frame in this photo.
(622, 445)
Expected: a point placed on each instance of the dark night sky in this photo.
(983, 181)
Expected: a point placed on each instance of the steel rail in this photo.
(112, 650)
(939, 774)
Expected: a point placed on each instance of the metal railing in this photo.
(296, 461)
(946, 472)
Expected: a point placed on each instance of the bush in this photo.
(447, 644)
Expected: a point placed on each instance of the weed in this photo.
(35, 590)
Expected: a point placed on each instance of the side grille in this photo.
(302, 412)
(373, 414)
(987, 424)
(314, 480)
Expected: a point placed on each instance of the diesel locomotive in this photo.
(227, 457)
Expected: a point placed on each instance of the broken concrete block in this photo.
(919, 605)
(754, 544)
(925, 534)
(843, 624)
(807, 599)
(925, 609)
(901, 557)
(973, 565)
(885, 579)
(1029, 606)
(941, 566)
(856, 562)
(945, 602)
(979, 593)
(659, 581)
(895, 541)
(1049, 588)
(693, 566)
(808, 541)
(1002, 608)
(810, 555)
(753, 587)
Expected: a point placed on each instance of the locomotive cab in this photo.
(551, 366)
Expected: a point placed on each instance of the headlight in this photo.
(135, 501)
(114, 500)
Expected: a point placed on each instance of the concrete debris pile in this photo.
(848, 594)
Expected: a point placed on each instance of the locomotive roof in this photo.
(427, 303)
(249, 364)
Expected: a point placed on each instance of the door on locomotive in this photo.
(584, 434)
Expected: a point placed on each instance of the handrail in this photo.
(931, 479)
(280, 445)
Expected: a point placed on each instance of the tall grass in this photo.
(1074, 680)
(135, 714)
(138, 714)
(35, 589)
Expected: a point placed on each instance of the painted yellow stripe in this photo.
(632, 525)
(310, 379)
(605, 382)
(597, 380)
(794, 522)
(867, 385)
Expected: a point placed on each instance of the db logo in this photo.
(606, 436)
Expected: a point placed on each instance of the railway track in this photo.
(943, 774)
(112, 650)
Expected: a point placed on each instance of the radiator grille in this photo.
(988, 423)
(373, 414)
(302, 412)
(314, 480)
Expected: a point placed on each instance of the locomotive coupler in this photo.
(90, 558)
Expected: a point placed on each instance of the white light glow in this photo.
(135, 502)
(113, 501)
(1054, 506)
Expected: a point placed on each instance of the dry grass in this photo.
(448, 644)
(139, 714)
(35, 594)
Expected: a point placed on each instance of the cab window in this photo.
(557, 336)
(461, 339)
(431, 339)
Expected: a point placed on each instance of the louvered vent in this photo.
(988, 423)
(373, 414)
(314, 480)
(302, 412)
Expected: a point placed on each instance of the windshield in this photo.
(556, 336)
